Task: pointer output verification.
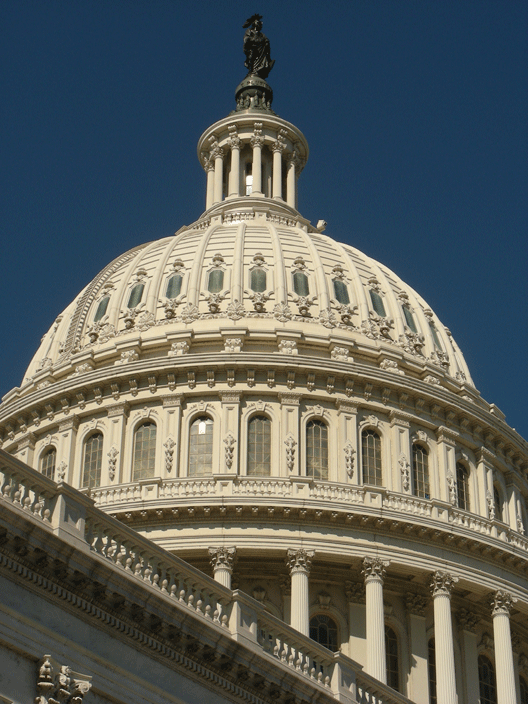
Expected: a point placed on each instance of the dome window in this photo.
(215, 282)
(144, 451)
(136, 295)
(377, 303)
(101, 309)
(323, 630)
(434, 333)
(371, 457)
(92, 461)
(487, 682)
(462, 486)
(258, 280)
(392, 658)
(317, 450)
(300, 284)
(48, 462)
(174, 285)
(249, 179)
(341, 292)
(409, 319)
(420, 472)
(201, 447)
(259, 447)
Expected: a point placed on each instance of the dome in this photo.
(279, 408)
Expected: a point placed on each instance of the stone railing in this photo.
(364, 500)
(73, 517)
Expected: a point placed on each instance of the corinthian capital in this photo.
(222, 558)
(442, 583)
(300, 560)
(374, 568)
(501, 602)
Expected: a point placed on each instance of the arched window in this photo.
(323, 630)
(393, 663)
(497, 502)
(487, 683)
(523, 690)
(48, 462)
(174, 285)
(420, 472)
(409, 318)
(431, 665)
(201, 447)
(144, 451)
(341, 292)
(216, 281)
(259, 447)
(317, 450)
(101, 309)
(436, 339)
(462, 486)
(377, 303)
(371, 457)
(136, 295)
(92, 460)
(258, 280)
(300, 284)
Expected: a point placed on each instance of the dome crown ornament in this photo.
(254, 93)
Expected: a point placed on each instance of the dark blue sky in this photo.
(415, 113)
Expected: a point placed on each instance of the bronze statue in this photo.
(256, 48)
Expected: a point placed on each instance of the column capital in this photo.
(468, 620)
(416, 604)
(442, 583)
(300, 560)
(501, 602)
(374, 569)
(278, 146)
(257, 141)
(222, 558)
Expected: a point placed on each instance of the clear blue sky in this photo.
(415, 112)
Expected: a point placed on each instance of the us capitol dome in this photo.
(290, 417)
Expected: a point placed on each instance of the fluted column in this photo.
(223, 561)
(291, 180)
(257, 142)
(277, 149)
(501, 604)
(299, 563)
(442, 584)
(234, 174)
(209, 169)
(374, 572)
(217, 153)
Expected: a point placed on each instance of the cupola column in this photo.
(299, 563)
(209, 169)
(257, 141)
(234, 175)
(291, 180)
(374, 572)
(501, 604)
(277, 149)
(217, 153)
(222, 562)
(442, 585)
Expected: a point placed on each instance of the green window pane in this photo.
(341, 292)
(174, 285)
(258, 280)
(377, 303)
(92, 460)
(420, 472)
(136, 295)
(201, 447)
(409, 318)
(487, 681)
(101, 308)
(392, 658)
(47, 463)
(317, 450)
(259, 446)
(144, 452)
(435, 336)
(216, 281)
(371, 458)
(300, 284)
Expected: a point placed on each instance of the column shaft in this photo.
(257, 169)
(210, 187)
(376, 655)
(218, 178)
(277, 173)
(300, 617)
(444, 652)
(502, 603)
(234, 176)
(291, 183)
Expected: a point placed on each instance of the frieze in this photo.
(58, 683)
